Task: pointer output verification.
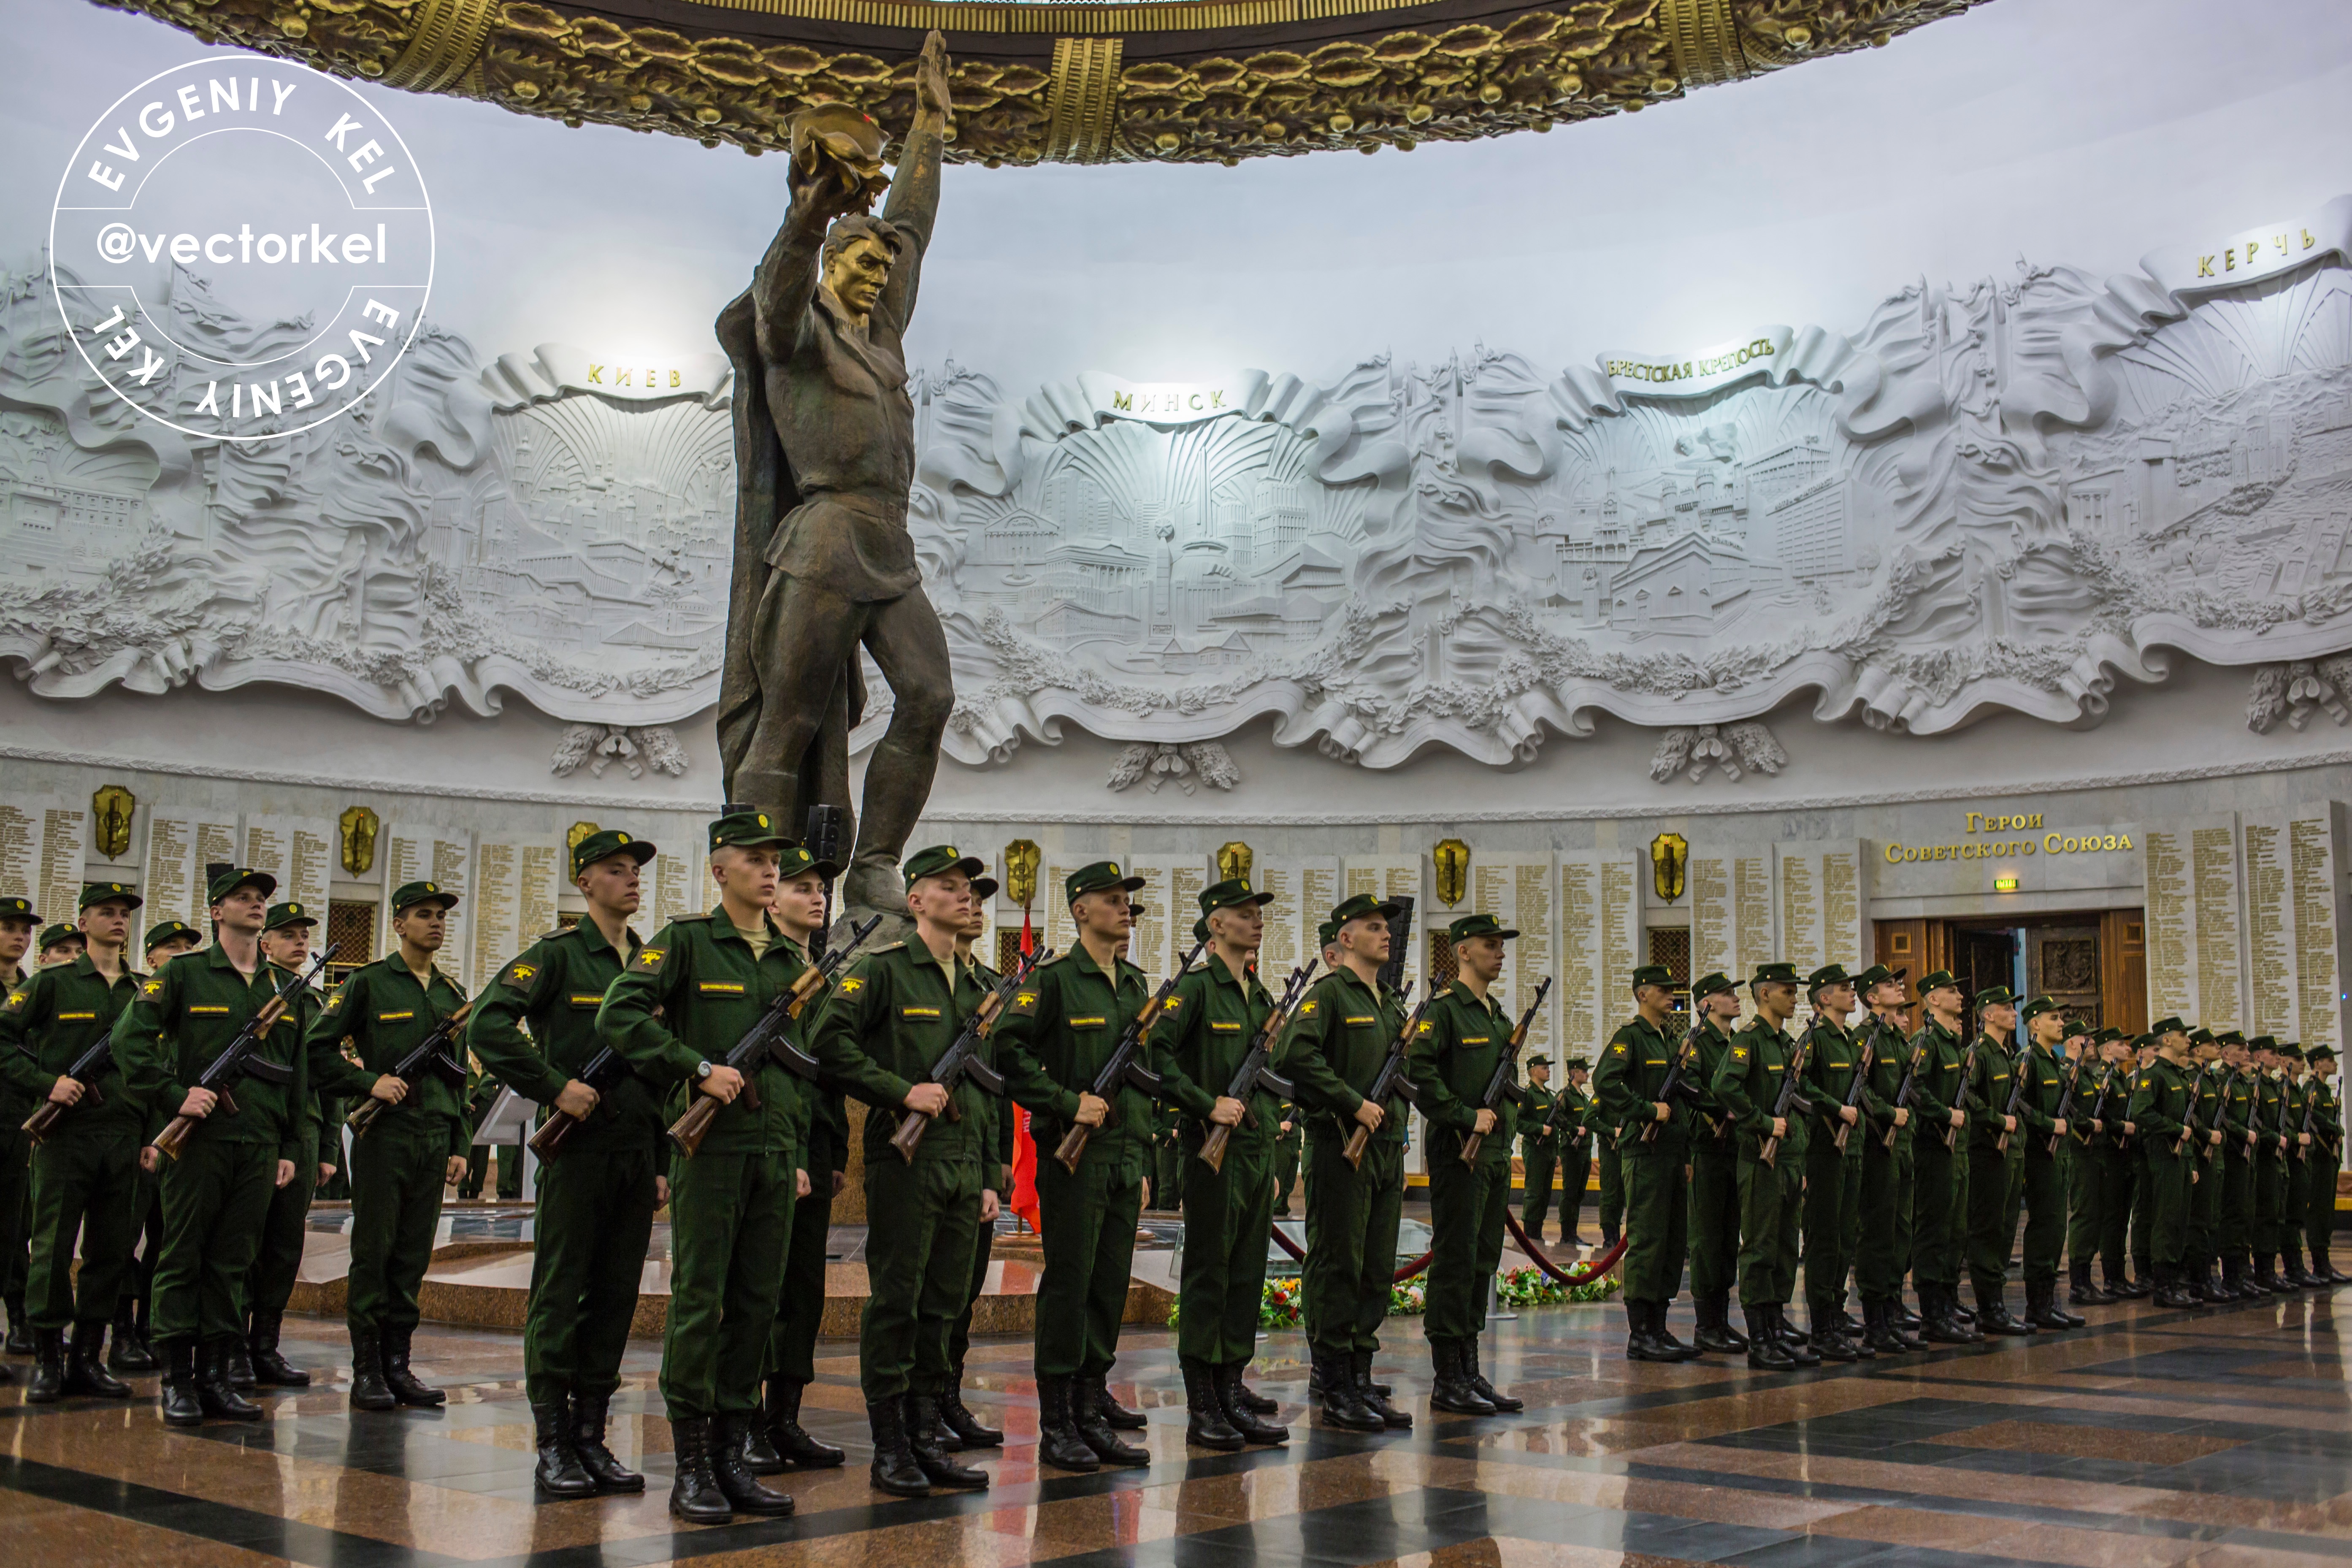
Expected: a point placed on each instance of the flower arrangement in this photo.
(1283, 1305)
(1529, 1286)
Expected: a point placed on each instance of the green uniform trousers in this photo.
(146, 1235)
(2118, 1176)
(2166, 1189)
(337, 1188)
(1956, 1229)
(1285, 1168)
(284, 1225)
(731, 1220)
(1657, 1210)
(1351, 1235)
(1089, 1220)
(1770, 1204)
(1227, 1217)
(16, 1208)
(2086, 1175)
(1465, 1222)
(2270, 1200)
(478, 1168)
(1832, 1218)
(594, 1217)
(1167, 1174)
(2319, 1200)
(2044, 1190)
(1540, 1169)
(1931, 1210)
(396, 1184)
(800, 1308)
(920, 1270)
(1575, 1172)
(2296, 1179)
(216, 1197)
(1996, 1188)
(1612, 1189)
(82, 1187)
(984, 1250)
(2237, 1227)
(2143, 1252)
(1885, 1212)
(1713, 1222)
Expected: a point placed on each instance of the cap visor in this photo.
(447, 901)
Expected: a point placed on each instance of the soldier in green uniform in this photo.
(216, 1197)
(2270, 1162)
(1222, 1006)
(534, 1030)
(2042, 1187)
(86, 1168)
(166, 940)
(2324, 1157)
(1290, 1140)
(1888, 1161)
(2085, 1162)
(1713, 1222)
(1651, 1135)
(2159, 1108)
(18, 923)
(286, 931)
(1539, 1155)
(1838, 1081)
(2119, 1167)
(2234, 1166)
(1748, 1084)
(1463, 1034)
(1996, 1161)
(2296, 1161)
(959, 1427)
(412, 1150)
(1939, 1157)
(2208, 1084)
(1612, 1193)
(1575, 1141)
(63, 944)
(1332, 1050)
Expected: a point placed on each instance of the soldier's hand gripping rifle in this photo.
(764, 1041)
(1256, 1071)
(432, 1056)
(1909, 1088)
(2188, 1119)
(1770, 1150)
(1125, 1068)
(1389, 1081)
(1505, 1071)
(2016, 1096)
(2098, 1107)
(1673, 1084)
(1853, 1090)
(961, 1059)
(236, 1059)
(2065, 1108)
(85, 1071)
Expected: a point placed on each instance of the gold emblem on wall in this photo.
(111, 810)
(580, 831)
(359, 826)
(1233, 862)
(1669, 858)
(1022, 859)
(1453, 858)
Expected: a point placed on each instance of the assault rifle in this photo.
(605, 1072)
(1389, 1081)
(1968, 1092)
(1769, 1149)
(2098, 1107)
(1909, 1088)
(764, 1041)
(821, 839)
(1256, 1071)
(85, 1071)
(2016, 1095)
(1504, 1069)
(2066, 1105)
(961, 1059)
(2189, 1116)
(1125, 1068)
(236, 1059)
(1671, 1084)
(1854, 1091)
(432, 1055)
(2285, 1142)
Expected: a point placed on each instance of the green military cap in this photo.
(2034, 1007)
(107, 893)
(983, 888)
(2317, 1052)
(1539, 1060)
(939, 861)
(1326, 934)
(1772, 973)
(2166, 1025)
(165, 930)
(1710, 984)
(1362, 907)
(17, 910)
(1579, 1064)
(1097, 878)
(410, 894)
(281, 916)
(746, 827)
(56, 934)
(2110, 1033)
(605, 844)
(2083, 1027)
(2238, 1037)
(1828, 974)
(228, 880)
(1653, 974)
(1230, 893)
(1995, 996)
(794, 861)
(1938, 980)
(1469, 926)
(1878, 974)
(2289, 1049)
(1200, 929)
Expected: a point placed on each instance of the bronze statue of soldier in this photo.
(824, 453)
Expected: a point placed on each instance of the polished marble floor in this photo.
(2214, 1439)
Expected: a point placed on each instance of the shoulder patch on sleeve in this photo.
(649, 959)
(519, 974)
(1427, 1027)
(1619, 1049)
(1739, 1053)
(152, 988)
(1174, 1001)
(1025, 1001)
(851, 986)
(1307, 1008)
(16, 1003)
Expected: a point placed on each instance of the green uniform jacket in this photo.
(2045, 1085)
(385, 1012)
(47, 1024)
(1535, 1108)
(2160, 1099)
(892, 1016)
(15, 1103)
(1747, 1086)
(185, 1016)
(2237, 1107)
(1987, 1093)
(1455, 1052)
(1631, 1080)
(1055, 1035)
(2100, 1094)
(1200, 1049)
(2269, 1094)
(1579, 1114)
(1000, 1112)
(2212, 1085)
(1832, 1064)
(320, 1110)
(1334, 1046)
(554, 990)
(1937, 1092)
(1697, 1087)
(1891, 1057)
(2326, 1122)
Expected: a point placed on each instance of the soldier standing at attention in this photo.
(1539, 1155)
(533, 1030)
(2085, 1166)
(1996, 1161)
(959, 1428)
(1463, 1037)
(2118, 1159)
(86, 1165)
(18, 923)
(1887, 1163)
(1653, 1139)
(1713, 1222)
(2326, 1146)
(2270, 1147)
(1939, 1156)
(216, 1197)
(1748, 1085)
(2298, 1169)
(1834, 1073)
(2159, 1107)
(413, 1149)
(1575, 1138)
(1227, 1211)
(1333, 1050)
(134, 1309)
(2208, 1084)
(286, 933)
(2042, 1187)
(2236, 1169)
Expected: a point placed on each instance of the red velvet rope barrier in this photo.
(1582, 1274)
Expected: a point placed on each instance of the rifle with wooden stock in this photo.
(1125, 1068)
(1389, 1081)
(605, 1072)
(1673, 1083)
(85, 1071)
(432, 1055)
(1256, 1071)
(1854, 1091)
(1506, 1070)
(2016, 1096)
(961, 1059)
(1791, 1075)
(236, 1059)
(1909, 1088)
(2066, 1106)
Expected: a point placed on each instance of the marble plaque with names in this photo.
(298, 852)
(433, 855)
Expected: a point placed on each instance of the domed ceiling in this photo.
(1163, 81)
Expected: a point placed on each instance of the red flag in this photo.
(1028, 933)
(1025, 1148)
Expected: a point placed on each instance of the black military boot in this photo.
(2080, 1289)
(2121, 1286)
(694, 1494)
(86, 1364)
(1503, 1402)
(1801, 1347)
(1827, 1338)
(1882, 1333)
(1903, 1318)
(589, 1412)
(214, 1394)
(2041, 1299)
(1204, 1413)
(129, 1351)
(1058, 1443)
(1714, 1335)
(2325, 1261)
(47, 1384)
(1665, 1335)
(558, 1473)
(959, 1420)
(237, 1365)
(1117, 1417)
(402, 1382)
(922, 1416)
(1451, 1391)
(1090, 1403)
(1240, 1416)
(270, 1370)
(739, 1487)
(2171, 1290)
(178, 1399)
(2207, 1292)
(1937, 1326)
(1608, 1236)
(1765, 1350)
(1343, 1406)
(1391, 1417)
(1249, 1398)
(759, 1456)
(368, 1390)
(1992, 1315)
(782, 1409)
(2064, 1319)
(2304, 1277)
(20, 1328)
